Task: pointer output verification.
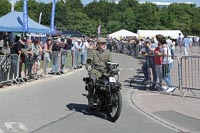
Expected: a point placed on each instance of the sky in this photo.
(197, 2)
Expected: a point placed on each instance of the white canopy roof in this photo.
(122, 33)
(152, 33)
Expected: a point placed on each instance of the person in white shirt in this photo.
(166, 65)
(179, 41)
(77, 50)
(83, 52)
(85, 47)
(171, 45)
(73, 52)
(169, 41)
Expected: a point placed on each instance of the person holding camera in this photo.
(148, 67)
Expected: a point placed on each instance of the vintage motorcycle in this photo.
(107, 92)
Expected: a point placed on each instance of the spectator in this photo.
(148, 67)
(169, 41)
(78, 50)
(47, 53)
(179, 41)
(29, 59)
(171, 46)
(85, 47)
(154, 44)
(91, 44)
(73, 52)
(55, 56)
(158, 63)
(37, 50)
(63, 49)
(166, 65)
(15, 50)
(186, 44)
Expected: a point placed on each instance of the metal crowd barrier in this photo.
(184, 73)
(56, 62)
(9, 68)
(190, 73)
(170, 71)
(77, 58)
(12, 70)
(175, 72)
(15, 67)
(5, 68)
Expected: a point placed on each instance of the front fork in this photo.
(108, 95)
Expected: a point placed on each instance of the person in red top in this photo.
(158, 62)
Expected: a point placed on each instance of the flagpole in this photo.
(13, 5)
(40, 17)
(53, 16)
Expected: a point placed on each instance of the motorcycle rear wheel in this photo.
(114, 110)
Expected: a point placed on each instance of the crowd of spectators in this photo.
(158, 53)
(25, 55)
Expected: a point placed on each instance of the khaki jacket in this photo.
(98, 62)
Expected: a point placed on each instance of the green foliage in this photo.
(5, 7)
(127, 14)
(147, 16)
(124, 4)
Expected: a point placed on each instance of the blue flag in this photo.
(53, 16)
(25, 16)
(19, 21)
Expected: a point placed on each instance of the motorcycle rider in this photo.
(96, 66)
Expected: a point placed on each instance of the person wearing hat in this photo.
(96, 65)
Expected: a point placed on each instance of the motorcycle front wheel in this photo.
(114, 110)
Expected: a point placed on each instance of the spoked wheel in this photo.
(114, 110)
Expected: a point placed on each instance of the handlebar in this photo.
(112, 63)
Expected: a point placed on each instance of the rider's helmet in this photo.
(101, 43)
(101, 40)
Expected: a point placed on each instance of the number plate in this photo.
(112, 79)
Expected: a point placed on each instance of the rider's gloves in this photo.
(89, 68)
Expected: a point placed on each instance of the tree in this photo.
(128, 20)
(195, 26)
(124, 4)
(147, 16)
(128, 14)
(5, 7)
(179, 16)
(33, 8)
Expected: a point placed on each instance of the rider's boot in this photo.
(91, 100)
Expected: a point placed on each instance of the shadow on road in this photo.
(85, 109)
(135, 84)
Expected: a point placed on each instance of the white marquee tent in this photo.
(152, 33)
(122, 33)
